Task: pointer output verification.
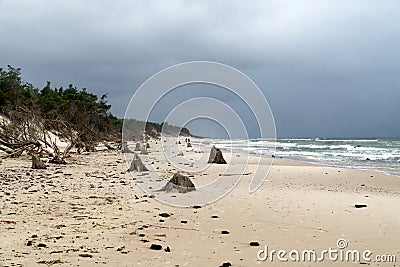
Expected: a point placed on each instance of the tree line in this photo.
(75, 114)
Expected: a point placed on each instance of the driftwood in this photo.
(37, 163)
(108, 146)
(57, 160)
(216, 156)
(180, 183)
(137, 165)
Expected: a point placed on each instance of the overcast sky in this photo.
(327, 68)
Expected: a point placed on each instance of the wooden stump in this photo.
(216, 156)
(180, 183)
(138, 146)
(137, 165)
(143, 150)
(125, 148)
(37, 163)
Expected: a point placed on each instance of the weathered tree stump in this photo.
(37, 163)
(180, 183)
(137, 165)
(125, 148)
(143, 150)
(138, 146)
(216, 156)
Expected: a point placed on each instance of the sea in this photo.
(380, 154)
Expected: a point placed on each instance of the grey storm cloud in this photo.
(328, 68)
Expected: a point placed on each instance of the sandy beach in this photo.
(91, 212)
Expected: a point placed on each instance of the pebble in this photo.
(85, 255)
(359, 206)
(224, 232)
(254, 244)
(41, 245)
(155, 247)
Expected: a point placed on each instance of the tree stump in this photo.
(143, 150)
(137, 165)
(216, 156)
(37, 163)
(138, 146)
(180, 183)
(125, 148)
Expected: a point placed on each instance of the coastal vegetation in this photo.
(32, 118)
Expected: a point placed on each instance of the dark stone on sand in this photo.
(34, 236)
(254, 244)
(137, 165)
(367, 159)
(167, 249)
(189, 144)
(37, 163)
(41, 245)
(226, 264)
(164, 215)
(180, 183)
(216, 156)
(359, 206)
(141, 235)
(155, 247)
(183, 222)
(224, 232)
(197, 207)
(85, 255)
(214, 217)
(29, 243)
